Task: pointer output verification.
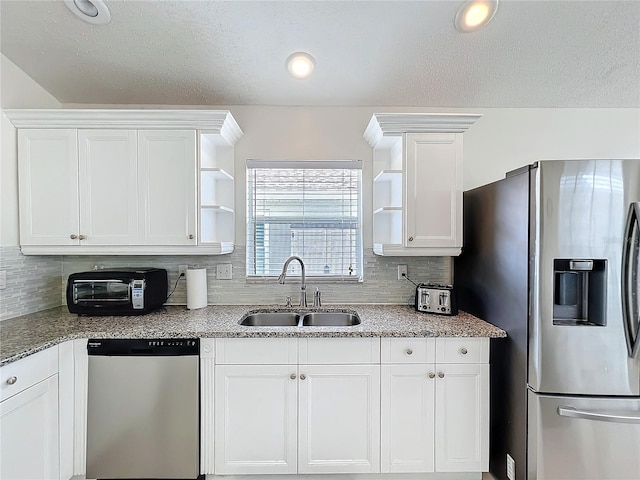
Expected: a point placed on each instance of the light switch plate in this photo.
(224, 271)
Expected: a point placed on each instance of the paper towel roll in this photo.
(196, 288)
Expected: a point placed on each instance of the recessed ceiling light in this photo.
(300, 64)
(475, 14)
(91, 11)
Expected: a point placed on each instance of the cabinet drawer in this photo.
(462, 350)
(23, 373)
(408, 350)
(334, 351)
(257, 351)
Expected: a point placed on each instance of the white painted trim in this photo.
(397, 250)
(208, 249)
(394, 124)
(356, 476)
(207, 396)
(215, 121)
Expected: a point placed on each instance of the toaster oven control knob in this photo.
(73, 236)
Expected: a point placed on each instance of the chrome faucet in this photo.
(303, 288)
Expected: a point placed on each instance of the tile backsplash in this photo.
(380, 285)
(33, 282)
(37, 282)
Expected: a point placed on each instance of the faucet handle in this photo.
(288, 300)
(316, 298)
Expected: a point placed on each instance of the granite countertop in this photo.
(23, 336)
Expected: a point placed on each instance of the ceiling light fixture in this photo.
(91, 11)
(475, 14)
(300, 64)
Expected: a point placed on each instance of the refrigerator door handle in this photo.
(630, 274)
(601, 416)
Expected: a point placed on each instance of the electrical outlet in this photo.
(224, 271)
(3, 279)
(402, 272)
(182, 269)
(511, 468)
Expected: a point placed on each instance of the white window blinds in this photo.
(311, 209)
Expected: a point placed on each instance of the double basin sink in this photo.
(300, 319)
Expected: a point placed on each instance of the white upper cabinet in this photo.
(167, 186)
(126, 181)
(107, 187)
(48, 186)
(417, 186)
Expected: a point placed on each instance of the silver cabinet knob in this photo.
(411, 239)
(292, 376)
(463, 351)
(432, 375)
(73, 236)
(191, 236)
(408, 351)
(441, 374)
(302, 376)
(82, 237)
(12, 380)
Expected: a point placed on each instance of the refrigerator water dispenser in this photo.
(579, 292)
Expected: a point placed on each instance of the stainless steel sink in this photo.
(271, 319)
(297, 319)
(330, 319)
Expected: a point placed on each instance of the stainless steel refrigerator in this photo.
(552, 255)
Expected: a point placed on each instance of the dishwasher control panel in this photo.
(144, 346)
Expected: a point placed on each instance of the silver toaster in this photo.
(436, 299)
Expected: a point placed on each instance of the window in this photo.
(309, 209)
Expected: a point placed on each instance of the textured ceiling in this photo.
(535, 53)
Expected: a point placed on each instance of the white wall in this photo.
(502, 140)
(17, 90)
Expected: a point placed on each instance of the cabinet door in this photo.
(48, 186)
(407, 413)
(108, 187)
(29, 433)
(339, 419)
(167, 186)
(255, 417)
(433, 198)
(462, 418)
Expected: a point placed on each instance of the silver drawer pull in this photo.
(432, 375)
(292, 376)
(441, 374)
(602, 416)
(409, 351)
(12, 380)
(463, 351)
(82, 237)
(302, 376)
(73, 236)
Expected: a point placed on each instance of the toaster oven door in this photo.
(101, 292)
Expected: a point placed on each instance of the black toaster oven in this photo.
(121, 291)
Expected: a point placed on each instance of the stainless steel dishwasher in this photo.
(143, 409)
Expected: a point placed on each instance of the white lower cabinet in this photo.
(29, 446)
(435, 415)
(296, 418)
(256, 410)
(339, 419)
